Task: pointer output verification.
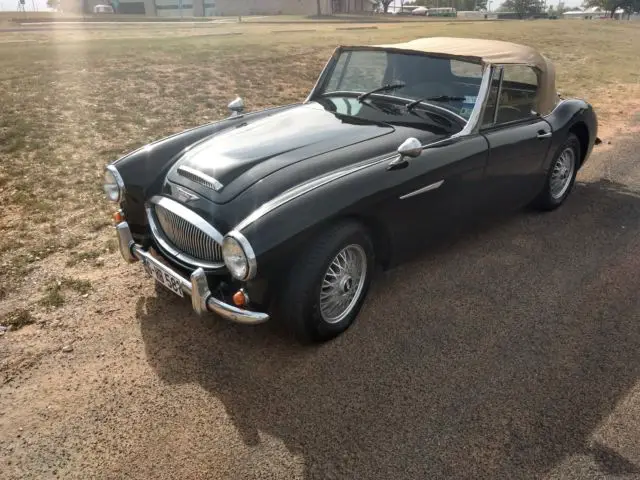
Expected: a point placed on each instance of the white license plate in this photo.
(165, 278)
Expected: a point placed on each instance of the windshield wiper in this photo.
(384, 88)
(439, 98)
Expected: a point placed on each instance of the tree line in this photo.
(521, 7)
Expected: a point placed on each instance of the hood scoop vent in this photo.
(199, 177)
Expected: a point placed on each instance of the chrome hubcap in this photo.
(342, 283)
(562, 173)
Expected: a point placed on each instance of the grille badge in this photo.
(185, 196)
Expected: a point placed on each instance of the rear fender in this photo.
(566, 117)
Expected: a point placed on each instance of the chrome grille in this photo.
(186, 237)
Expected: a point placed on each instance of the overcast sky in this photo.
(42, 4)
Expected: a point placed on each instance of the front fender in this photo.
(277, 236)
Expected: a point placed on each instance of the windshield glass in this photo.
(449, 83)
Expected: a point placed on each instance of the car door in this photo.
(518, 138)
(433, 194)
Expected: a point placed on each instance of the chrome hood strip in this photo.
(199, 177)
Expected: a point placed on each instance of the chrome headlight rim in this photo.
(119, 183)
(249, 254)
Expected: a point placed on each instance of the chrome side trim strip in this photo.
(428, 188)
(306, 187)
(199, 177)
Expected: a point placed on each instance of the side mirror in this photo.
(411, 147)
(236, 106)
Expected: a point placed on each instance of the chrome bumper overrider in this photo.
(196, 286)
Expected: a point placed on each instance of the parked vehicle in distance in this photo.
(442, 12)
(286, 212)
(419, 11)
(103, 9)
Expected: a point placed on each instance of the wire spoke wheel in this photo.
(343, 283)
(562, 173)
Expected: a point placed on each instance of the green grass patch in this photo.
(18, 319)
(54, 296)
(78, 257)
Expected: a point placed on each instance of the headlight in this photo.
(113, 184)
(238, 256)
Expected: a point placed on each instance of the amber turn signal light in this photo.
(240, 298)
(118, 217)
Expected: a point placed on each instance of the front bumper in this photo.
(196, 286)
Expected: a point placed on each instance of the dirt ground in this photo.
(511, 352)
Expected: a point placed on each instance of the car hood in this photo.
(247, 152)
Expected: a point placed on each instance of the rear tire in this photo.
(326, 287)
(561, 176)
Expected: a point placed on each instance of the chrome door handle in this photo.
(542, 134)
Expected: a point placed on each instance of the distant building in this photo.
(207, 8)
(590, 13)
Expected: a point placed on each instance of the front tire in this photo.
(561, 176)
(326, 287)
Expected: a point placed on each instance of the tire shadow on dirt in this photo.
(495, 357)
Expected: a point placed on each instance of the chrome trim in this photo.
(189, 216)
(498, 95)
(428, 188)
(195, 286)
(185, 196)
(476, 114)
(303, 188)
(322, 77)
(411, 147)
(248, 252)
(199, 291)
(119, 182)
(199, 177)
(125, 241)
(236, 106)
(247, 300)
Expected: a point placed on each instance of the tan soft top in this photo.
(490, 52)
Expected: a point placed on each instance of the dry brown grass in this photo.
(72, 101)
